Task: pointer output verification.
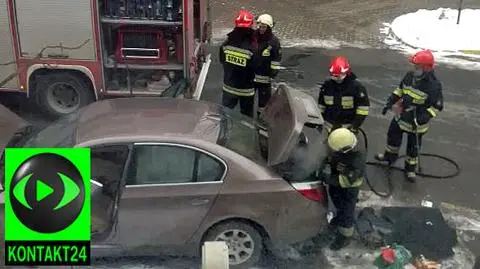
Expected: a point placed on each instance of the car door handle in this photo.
(198, 202)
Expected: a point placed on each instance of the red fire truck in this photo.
(66, 54)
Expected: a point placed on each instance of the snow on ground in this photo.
(437, 30)
(220, 34)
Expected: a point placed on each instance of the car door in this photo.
(202, 78)
(170, 188)
(108, 164)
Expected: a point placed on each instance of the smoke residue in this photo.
(309, 157)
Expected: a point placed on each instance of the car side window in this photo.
(161, 164)
(209, 168)
(108, 162)
(172, 164)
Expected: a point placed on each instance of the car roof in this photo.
(144, 116)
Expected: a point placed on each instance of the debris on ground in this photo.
(393, 257)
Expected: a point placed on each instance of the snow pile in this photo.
(438, 30)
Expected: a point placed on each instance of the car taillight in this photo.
(311, 190)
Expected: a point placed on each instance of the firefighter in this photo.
(269, 56)
(347, 168)
(415, 102)
(238, 55)
(343, 100)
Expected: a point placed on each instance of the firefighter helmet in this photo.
(244, 19)
(342, 140)
(266, 19)
(339, 66)
(423, 58)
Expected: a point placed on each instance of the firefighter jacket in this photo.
(421, 97)
(239, 60)
(343, 104)
(347, 169)
(270, 56)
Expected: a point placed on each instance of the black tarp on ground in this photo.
(422, 230)
(372, 229)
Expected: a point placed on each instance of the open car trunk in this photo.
(293, 144)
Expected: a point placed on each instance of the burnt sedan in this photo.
(170, 174)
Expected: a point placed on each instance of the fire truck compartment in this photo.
(143, 46)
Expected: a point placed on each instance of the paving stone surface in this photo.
(349, 21)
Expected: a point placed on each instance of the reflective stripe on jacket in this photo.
(270, 56)
(344, 103)
(348, 169)
(422, 93)
(239, 60)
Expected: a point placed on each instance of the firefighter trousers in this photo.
(345, 201)
(246, 102)
(264, 91)
(394, 142)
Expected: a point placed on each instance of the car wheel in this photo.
(245, 244)
(62, 93)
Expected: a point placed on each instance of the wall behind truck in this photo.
(6, 48)
(52, 23)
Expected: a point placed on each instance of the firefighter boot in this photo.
(340, 242)
(411, 177)
(410, 166)
(410, 174)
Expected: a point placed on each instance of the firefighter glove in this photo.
(384, 110)
(407, 101)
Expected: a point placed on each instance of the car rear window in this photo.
(238, 134)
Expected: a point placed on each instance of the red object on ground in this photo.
(388, 255)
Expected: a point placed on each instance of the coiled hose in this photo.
(389, 169)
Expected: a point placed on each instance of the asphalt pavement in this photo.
(453, 134)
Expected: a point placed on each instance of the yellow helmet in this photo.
(342, 140)
(266, 19)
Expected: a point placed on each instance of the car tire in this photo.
(50, 87)
(244, 255)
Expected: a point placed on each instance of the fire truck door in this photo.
(67, 23)
(202, 77)
(7, 57)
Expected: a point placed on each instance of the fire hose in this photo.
(389, 169)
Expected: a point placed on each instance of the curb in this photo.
(390, 31)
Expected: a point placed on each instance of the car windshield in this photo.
(238, 134)
(60, 133)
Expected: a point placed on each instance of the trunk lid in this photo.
(286, 114)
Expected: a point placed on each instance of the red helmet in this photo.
(423, 58)
(244, 19)
(339, 66)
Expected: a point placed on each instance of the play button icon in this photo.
(43, 190)
(49, 187)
